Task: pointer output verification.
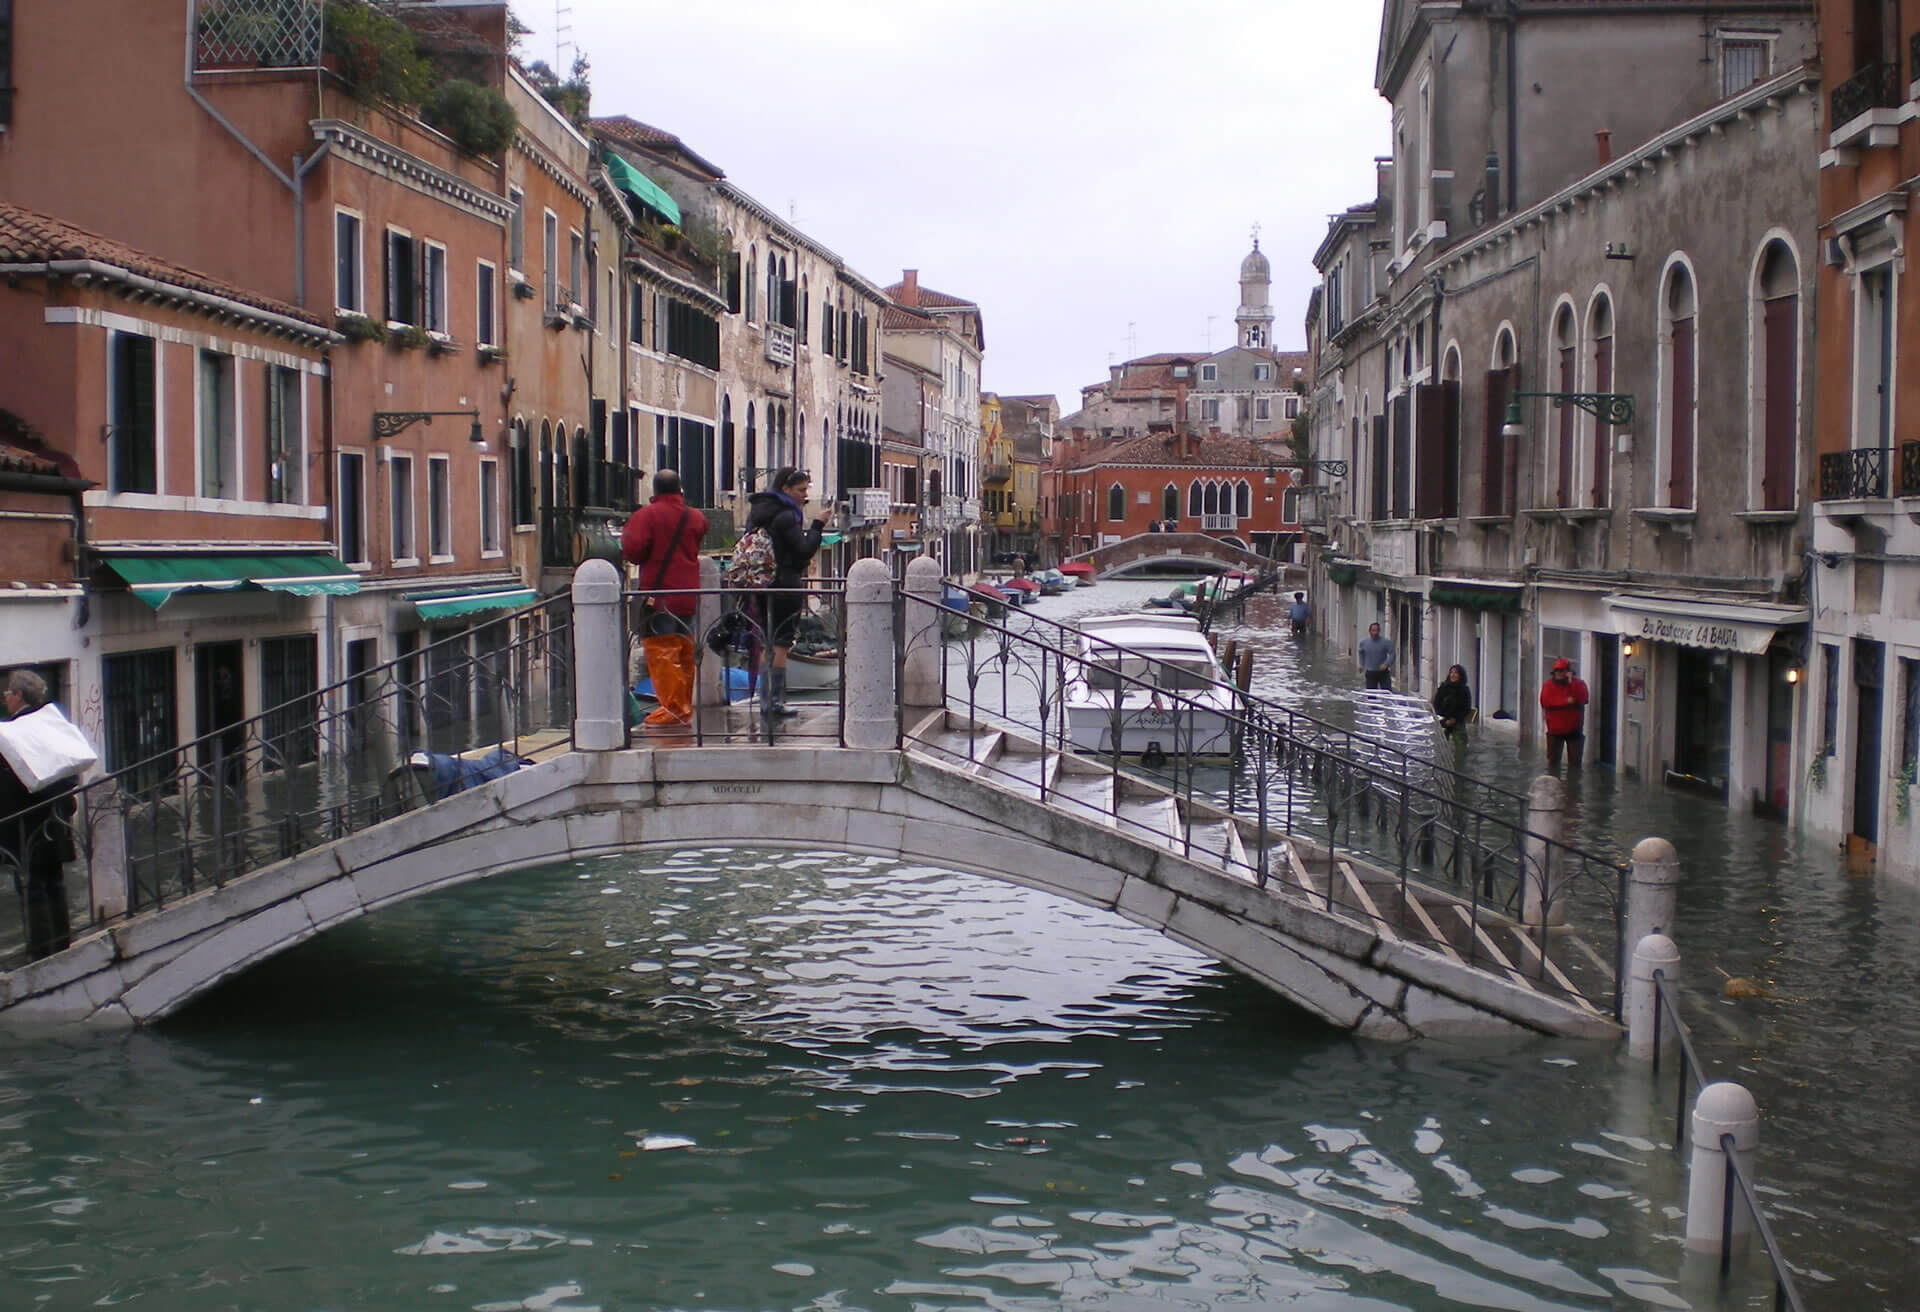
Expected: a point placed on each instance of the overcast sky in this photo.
(1088, 171)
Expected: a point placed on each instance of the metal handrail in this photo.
(1785, 1294)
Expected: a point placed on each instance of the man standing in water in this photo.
(1376, 660)
(1563, 704)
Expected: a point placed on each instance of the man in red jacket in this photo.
(662, 542)
(1563, 699)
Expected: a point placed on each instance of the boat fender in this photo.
(1155, 756)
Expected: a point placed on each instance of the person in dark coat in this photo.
(1453, 703)
(36, 832)
(781, 511)
(662, 541)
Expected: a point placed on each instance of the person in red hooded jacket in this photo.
(1563, 701)
(662, 542)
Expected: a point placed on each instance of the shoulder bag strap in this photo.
(672, 542)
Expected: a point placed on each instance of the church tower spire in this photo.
(1255, 317)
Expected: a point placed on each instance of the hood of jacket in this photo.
(765, 507)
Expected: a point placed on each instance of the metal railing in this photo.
(1666, 1011)
(1296, 779)
(1853, 475)
(1873, 86)
(314, 769)
(1910, 469)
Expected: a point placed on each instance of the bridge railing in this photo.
(731, 634)
(310, 770)
(1294, 778)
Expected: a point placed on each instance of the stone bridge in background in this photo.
(902, 777)
(1198, 552)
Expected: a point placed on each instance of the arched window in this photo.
(1599, 462)
(562, 477)
(752, 459)
(1169, 502)
(1211, 501)
(1566, 347)
(582, 469)
(1677, 340)
(1116, 503)
(1243, 500)
(1499, 489)
(546, 465)
(727, 452)
(934, 491)
(523, 489)
(1196, 500)
(753, 280)
(1449, 492)
(1776, 374)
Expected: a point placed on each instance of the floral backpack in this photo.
(751, 564)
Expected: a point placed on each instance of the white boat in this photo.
(1156, 680)
(813, 672)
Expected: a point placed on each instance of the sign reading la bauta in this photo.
(1717, 626)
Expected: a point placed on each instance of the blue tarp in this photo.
(449, 774)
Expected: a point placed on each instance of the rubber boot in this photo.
(777, 694)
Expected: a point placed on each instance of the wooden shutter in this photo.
(1602, 431)
(1382, 471)
(1493, 484)
(1782, 366)
(1402, 454)
(1449, 458)
(1429, 452)
(1680, 444)
(1567, 415)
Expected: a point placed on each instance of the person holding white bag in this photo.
(36, 829)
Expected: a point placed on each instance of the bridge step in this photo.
(1217, 843)
(1023, 773)
(1086, 793)
(1154, 818)
(966, 750)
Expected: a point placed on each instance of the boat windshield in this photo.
(1110, 671)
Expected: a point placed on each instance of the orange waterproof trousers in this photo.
(670, 667)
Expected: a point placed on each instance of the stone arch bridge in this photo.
(1200, 552)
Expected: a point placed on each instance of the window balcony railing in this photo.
(1910, 469)
(996, 474)
(1876, 86)
(1219, 523)
(1854, 475)
(869, 505)
(779, 344)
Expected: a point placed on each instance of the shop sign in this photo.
(1747, 630)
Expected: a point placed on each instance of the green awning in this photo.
(642, 188)
(830, 539)
(1476, 596)
(447, 605)
(1342, 572)
(156, 579)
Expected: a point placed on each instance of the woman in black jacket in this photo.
(781, 511)
(1453, 703)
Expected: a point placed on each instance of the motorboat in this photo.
(1022, 592)
(1053, 583)
(1080, 572)
(1155, 682)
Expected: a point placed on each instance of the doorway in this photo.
(1703, 726)
(220, 705)
(1868, 676)
(1606, 697)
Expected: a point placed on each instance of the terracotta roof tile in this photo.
(901, 319)
(1161, 449)
(29, 237)
(644, 136)
(933, 300)
(24, 450)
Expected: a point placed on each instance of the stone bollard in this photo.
(709, 670)
(599, 659)
(872, 712)
(104, 822)
(1544, 871)
(1723, 1108)
(921, 685)
(1652, 889)
(1653, 952)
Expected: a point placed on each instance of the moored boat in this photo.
(1149, 685)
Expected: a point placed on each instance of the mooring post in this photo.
(1652, 889)
(599, 659)
(104, 824)
(920, 681)
(1721, 1109)
(1653, 952)
(1545, 871)
(872, 710)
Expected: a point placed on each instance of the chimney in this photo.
(910, 288)
(1603, 146)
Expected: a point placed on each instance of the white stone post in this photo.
(1545, 868)
(1653, 952)
(872, 712)
(710, 671)
(1720, 1109)
(599, 659)
(1652, 889)
(104, 822)
(921, 681)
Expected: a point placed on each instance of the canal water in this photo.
(751, 1079)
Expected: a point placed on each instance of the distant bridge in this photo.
(891, 769)
(1198, 552)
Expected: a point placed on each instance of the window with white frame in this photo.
(349, 265)
(1873, 359)
(576, 268)
(1209, 373)
(1262, 373)
(1263, 407)
(1596, 470)
(1116, 502)
(1677, 386)
(489, 507)
(1560, 450)
(218, 428)
(486, 283)
(1210, 411)
(134, 439)
(403, 278)
(433, 287)
(1775, 374)
(1745, 58)
(550, 254)
(439, 508)
(400, 507)
(283, 451)
(1290, 406)
(350, 507)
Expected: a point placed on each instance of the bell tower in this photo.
(1254, 320)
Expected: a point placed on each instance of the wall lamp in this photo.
(1793, 674)
(1628, 647)
(391, 423)
(1608, 407)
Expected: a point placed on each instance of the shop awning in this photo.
(642, 188)
(1343, 572)
(907, 548)
(157, 579)
(1467, 594)
(1745, 627)
(446, 605)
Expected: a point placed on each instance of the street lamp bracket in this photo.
(391, 423)
(1608, 407)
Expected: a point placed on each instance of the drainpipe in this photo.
(300, 170)
(1513, 111)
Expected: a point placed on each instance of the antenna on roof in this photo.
(1133, 341)
(1210, 319)
(562, 36)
